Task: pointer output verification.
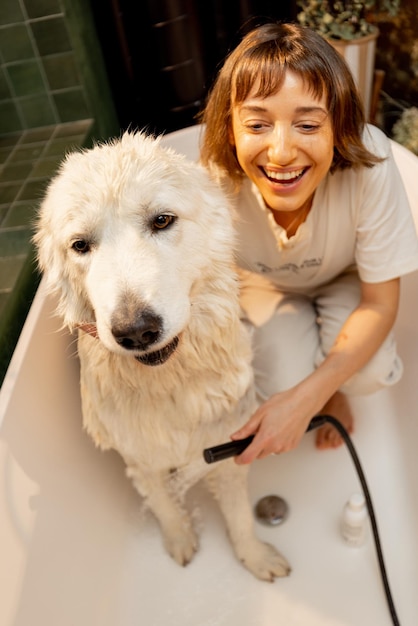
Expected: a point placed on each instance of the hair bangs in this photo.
(259, 71)
(265, 73)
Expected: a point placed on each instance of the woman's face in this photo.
(284, 143)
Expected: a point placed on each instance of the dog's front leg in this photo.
(228, 484)
(179, 536)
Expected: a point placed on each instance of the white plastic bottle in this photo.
(354, 521)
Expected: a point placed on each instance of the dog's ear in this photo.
(51, 257)
(73, 305)
(45, 229)
(47, 256)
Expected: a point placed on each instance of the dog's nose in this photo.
(139, 334)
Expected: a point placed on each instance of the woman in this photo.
(324, 231)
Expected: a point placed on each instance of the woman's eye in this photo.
(255, 126)
(163, 221)
(309, 128)
(81, 246)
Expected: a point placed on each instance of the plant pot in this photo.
(359, 55)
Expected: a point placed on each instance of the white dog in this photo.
(138, 243)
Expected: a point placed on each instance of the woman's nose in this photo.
(282, 147)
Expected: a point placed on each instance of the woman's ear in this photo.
(231, 138)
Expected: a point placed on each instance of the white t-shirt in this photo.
(360, 218)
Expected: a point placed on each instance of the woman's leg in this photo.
(335, 302)
(285, 346)
(296, 338)
(285, 349)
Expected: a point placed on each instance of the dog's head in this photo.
(127, 233)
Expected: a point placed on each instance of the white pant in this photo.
(302, 329)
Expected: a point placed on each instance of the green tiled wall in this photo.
(54, 95)
(46, 76)
(28, 160)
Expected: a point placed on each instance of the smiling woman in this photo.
(321, 208)
(262, 61)
(285, 148)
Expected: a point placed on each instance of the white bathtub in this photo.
(77, 549)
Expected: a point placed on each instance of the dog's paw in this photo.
(182, 545)
(264, 561)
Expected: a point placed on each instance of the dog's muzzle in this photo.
(158, 357)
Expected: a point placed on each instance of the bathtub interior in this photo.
(78, 547)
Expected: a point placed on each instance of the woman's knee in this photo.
(285, 347)
(384, 369)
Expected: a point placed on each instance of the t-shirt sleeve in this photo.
(387, 242)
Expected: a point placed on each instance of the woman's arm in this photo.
(281, 421)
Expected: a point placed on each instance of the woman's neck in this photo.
(291, 220)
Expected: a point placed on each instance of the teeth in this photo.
(282, 176)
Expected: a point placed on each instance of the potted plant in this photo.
(344, 19)
(405, 130)
(345, 24)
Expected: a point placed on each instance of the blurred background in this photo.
(161, 55)
(136, 63)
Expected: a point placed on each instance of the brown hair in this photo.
(263, 57)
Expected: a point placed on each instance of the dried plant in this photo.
(405, 130)
(343, 19)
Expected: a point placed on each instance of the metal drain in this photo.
(271, 510)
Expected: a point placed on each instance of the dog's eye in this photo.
(81, 246)
(163, 221)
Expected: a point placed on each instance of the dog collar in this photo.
(90, 329)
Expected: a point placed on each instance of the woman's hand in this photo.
(279, 424)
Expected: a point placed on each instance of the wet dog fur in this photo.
(137, 242)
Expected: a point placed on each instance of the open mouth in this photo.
(158, 357)
(285, 178)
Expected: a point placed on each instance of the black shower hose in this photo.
(232, 448)
(319, 420)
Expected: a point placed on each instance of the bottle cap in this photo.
(357, 501)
